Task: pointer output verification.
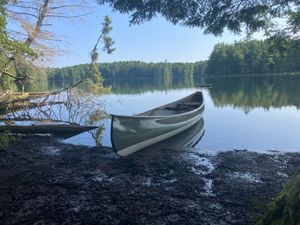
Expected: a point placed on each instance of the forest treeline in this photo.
(132, 69)
(255, 57)
(242, 58)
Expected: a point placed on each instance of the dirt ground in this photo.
(43, 181)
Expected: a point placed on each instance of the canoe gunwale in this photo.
(138, 116)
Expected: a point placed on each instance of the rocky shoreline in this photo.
(43, 181)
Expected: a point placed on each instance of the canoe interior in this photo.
(186, 104)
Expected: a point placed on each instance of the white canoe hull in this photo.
(132, 133)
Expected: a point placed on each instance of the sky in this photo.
(154, 41)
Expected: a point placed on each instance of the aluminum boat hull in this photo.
(133, 133)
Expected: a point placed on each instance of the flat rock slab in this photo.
(46, 182)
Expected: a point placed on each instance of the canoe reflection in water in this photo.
(133, 133)
(186, 140)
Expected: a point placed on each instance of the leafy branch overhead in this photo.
(92, 79)
(107, 40)
(217, 15)
(10, 46)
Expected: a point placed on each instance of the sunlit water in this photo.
(257, 114)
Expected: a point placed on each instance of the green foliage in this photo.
(94, 119)
(286, 207)
(5, 140)
(91, 79)
(216, 15)
(9, 49)
(107, 40)
(3, 34)
(274, 55)
(9, 46)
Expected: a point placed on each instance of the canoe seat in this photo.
(173, 109)
(189, 104)
(184, 106)
(165, 112)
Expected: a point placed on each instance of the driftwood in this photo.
(33, 94)
(3, 95)
(41, 120)
(17, 98)
(60, 130)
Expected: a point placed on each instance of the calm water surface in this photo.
(259, 114)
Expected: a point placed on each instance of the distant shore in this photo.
(249, 75)
(43, 181)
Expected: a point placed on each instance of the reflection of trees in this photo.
(136, 86)
(254, 92)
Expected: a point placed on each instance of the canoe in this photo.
(133, 133)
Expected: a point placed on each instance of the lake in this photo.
(257, 113)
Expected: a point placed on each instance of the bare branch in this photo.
(10, 75)
(67, 6)
(22, 6)
(16, 32)
(68, 17)
(42, 14)
(21, 13)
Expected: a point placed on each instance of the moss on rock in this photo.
(285, 210)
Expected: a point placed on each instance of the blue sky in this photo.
(154, 41)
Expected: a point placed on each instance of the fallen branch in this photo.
(30, 93)
(5, 94)
(62, 130)
(41, 120)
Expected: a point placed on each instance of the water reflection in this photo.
(141, 85)
(252, 92)
(184, 141)
(241, 113)
(243, 92)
